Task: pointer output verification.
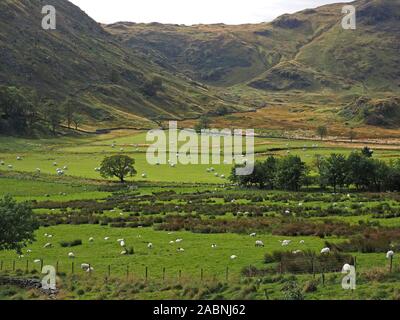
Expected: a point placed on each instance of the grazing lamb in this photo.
(47, 245)
(213, 246)
(233, 257)
(286, 242)
(71, 255)
(91, 239)
(253, 234)
(389, 254)
(259, 243)
(181, 250)
(150, 245)
(325, 251)
(107, 238)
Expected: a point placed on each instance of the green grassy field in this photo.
(187, 183)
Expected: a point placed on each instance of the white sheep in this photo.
(301, 241)
(85, 266)
(38, 170)
(150, 245)
(10, 166)
(123, 252)
(325, 250)
(47, 245)
(389, 254)
(233, 257)
(19, 158)
(91, 239)
(2, 163)
(71, 255)
(55, 164)
(144, 175)
(253, 234)
(178, 240)
(296, 251)
(122, 243)
(286, 242)
(213, 246)
(259, 243)
(171, 242)
(181, 250)
(37, 261)
(28, 251)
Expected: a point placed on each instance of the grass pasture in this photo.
(189, 203)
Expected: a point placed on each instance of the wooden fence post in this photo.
(72, 267)
(1, 265)
(163, 273)
(27, 266)
(227, 274)
(41, 265)
(147, 273)
(201, 274)
(127, 271)
(391, 263)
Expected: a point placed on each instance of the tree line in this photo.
(22, 111)
(359, 170)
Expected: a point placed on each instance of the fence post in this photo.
(146, 272)
(27, 266)
(163, 273)
(72, 267)
(180, 275)
(323, 277)
(355, 262)
(41, 265)
(1, 265)
(109, 270)
(201, 274)
(391, 263)
(57, 267)
(227, 273)
(13, 266)
(127, 271)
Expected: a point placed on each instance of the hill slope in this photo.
(80, 59)
(308, 50)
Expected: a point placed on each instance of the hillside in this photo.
(81, 60)
(308, 50)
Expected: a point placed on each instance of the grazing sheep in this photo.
(38, 170)
(233, 257)
(222, 176)
(28, 251)
(85, 266)
(65, 168)
(150, 245)
(301, 241)
(259, 243)
(181, 250)
(37, 261)
(144, 175)
(253, 234)
(213, 246)
(346, 268)
(49, 236)
(91, 239)
(123, 252)
(178, 240)
(325, 250)
(47, 245)
(55, 164)
(296, 251)
(107, 238)
(19, 158)
(389, 254)
(2, 163)
(71, 255)
(286, 242)
(122, 243)
(10, 166)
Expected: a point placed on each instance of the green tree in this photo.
(17, 224)
(119, 166)
(290, 173)
(203, 123)
(69, 108)
(334, 171)
(322, 132)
